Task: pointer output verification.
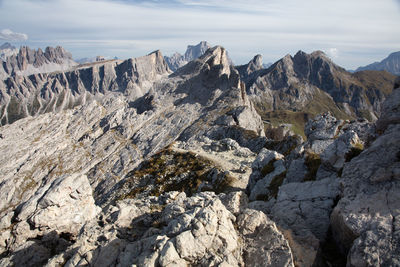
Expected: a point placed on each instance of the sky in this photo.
(352, 32)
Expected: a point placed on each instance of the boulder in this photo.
(303, 211)
(264, 244)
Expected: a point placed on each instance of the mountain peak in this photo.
(7, 46)
(192, 52)
(257, 61)
(390, 64)
(195, 51)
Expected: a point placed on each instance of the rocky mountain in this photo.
(157, 168)
(28, 61)
(192, 52)
(296, 88)
(7, 50)
(390, 64)
(23, 96)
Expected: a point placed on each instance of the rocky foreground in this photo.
(175, 170)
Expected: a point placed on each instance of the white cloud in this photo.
(357, 28)
(9, 35)
(333, 53)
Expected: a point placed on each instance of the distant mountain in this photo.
(267, 65)
(295, 88)
(52, 92)
(29, 61)
(390, 64)
(7, 50)
(7, 46)
(192, 52)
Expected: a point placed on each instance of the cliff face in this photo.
(22, 96)
(28, 61)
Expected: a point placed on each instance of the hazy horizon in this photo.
(352, 34)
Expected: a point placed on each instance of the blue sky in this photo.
(351, 32)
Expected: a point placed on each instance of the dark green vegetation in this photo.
(275, 184)
(268, 168)
(312, 161)
(354, 152)
(170, 170)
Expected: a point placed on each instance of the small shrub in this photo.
(268, 168)
(354, 152)
(275, 184)
(312, 161)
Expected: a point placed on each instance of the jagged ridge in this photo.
(307, 84)
(23, 96)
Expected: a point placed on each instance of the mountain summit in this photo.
(390, 64)
(192, 52)
(304, 85)
(7, 50)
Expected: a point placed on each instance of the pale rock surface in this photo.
(264, 243)
(66, 206)
(321, 131)
(170, 231)
(49, 161)
(334, 155)
(261, 188)
(303, 210)
(296, 171)
(263, 158)
(366, 219)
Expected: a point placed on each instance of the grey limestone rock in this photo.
(365, 220)
(264, 243)
(264, 158)
(296, 172)
(334, 156)
(303, 210)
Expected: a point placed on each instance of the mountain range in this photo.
(126, 162)
(27, 61)
(390, 64)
